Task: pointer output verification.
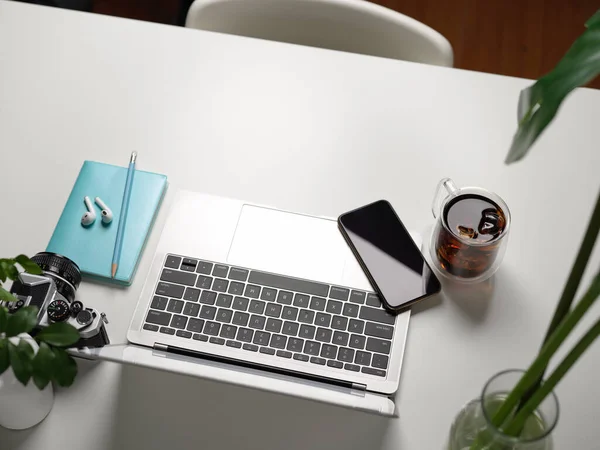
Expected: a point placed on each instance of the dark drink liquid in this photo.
(471, 246)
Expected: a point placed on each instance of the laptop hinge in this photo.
(161, 347)
(359, 386)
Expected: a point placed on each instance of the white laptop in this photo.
(269, 299)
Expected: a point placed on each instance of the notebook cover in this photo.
(92, 247)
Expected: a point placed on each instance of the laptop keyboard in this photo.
(256, 311)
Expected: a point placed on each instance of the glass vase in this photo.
(473, 430)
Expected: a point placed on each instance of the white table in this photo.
(303, 129)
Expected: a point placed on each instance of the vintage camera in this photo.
(53, 292)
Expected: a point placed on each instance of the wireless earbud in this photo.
(90, 216)
(107, 215)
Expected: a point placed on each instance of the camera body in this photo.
(53, 293)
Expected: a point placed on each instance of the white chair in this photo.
(355, 26)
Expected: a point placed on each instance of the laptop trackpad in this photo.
(288, 243)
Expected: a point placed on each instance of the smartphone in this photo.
(388, 255)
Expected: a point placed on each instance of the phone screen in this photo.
(388, 255)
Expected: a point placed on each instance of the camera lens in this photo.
(62, 270)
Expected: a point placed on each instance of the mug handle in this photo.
(445, 184)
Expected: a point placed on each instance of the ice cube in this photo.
(467, 232)
(491, 222)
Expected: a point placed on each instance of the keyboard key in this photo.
(317, 303)
(267, 351)
(220, 270)
(334, 307)
(346, 354)
(176, 276)
(373, 300)
(208, 312)
(204, 282)
(208, 297)
(257, 307)
(200, 337)
(290, 328)
(356, 326)
(273, 310)
(257, 322)
(240, 318)
(284, 297)
(245, 335)
(339, 323)
(268, 294)
(261, 338)
(287, 283)
(234, 344)
(295, 344)
(224, 315)
(158, 318)
(184, 334)
(380, 361)
(312, 348)
(212, 328)
(252, 291)
(240, 303)
(328, 351)
(165, 330)
(170, 290)
(189, 262)
(204, 267)
(179, 322)
(172, 262)
(306, 316)
(216, 340)
(352, 367)
(324, 335)
(340, 338)
(238, 274)
(236, 288)
(149, 327)
(188, 267)
(289, 313)
(339, 293)
(159, 302)
(357, 341)
(220, 285)
(301, 300)
(175, 306)
(228, 331)
(379, 330)
(323, 320)
(283, 354)
(278, 341)
(371, 371)
(377, 315)
(224, 300)
(191, 294)
(363, 358)
(274, 325)
(378, 345)
(250, 347)
(351, 310)
(307, 332)
(319, 361)
(300, 357)
(336, 364)
(195, 325)
(357, 297)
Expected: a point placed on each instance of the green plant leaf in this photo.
(60, 334)
(4, 359)
(3, 318)
(8, 265)
(539, 103)
(42, 366)
(64, 368)
(28, 265)
(2, 274)
(6, 296)
(23, 321)
(20, 360)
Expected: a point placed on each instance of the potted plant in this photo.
(517, 409)
(30, 359)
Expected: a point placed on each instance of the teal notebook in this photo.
(92, 247)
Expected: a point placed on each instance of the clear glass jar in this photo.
(472, 428)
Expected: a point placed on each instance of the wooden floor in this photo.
(522, 38)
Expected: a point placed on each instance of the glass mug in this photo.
(470, 235)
